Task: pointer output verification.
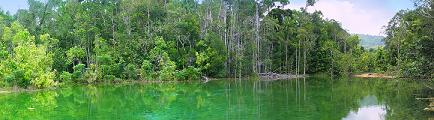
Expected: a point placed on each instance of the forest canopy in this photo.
(87, 41)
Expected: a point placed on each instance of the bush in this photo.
(65, 77)
(146, 70)
(44, 80)
(168, 68)
(90, 76)
(109, 78)
(78, 72)
(189, 73)
(17, 78)
(130, 72)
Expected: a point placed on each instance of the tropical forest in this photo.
(217, 59)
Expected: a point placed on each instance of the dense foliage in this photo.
(24, 60)
(410, 41)
(90, 41)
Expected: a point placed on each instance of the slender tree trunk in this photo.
(399, 54)
(113, 29)
(271, 57)
(345, 47)
(294, 65)
(206, 20)
(257, 25)
(296, 59)
(239, 59)
(304, 56)
(42, 20)
(332, 64)
(88, 52)
(286, 57)
(223, 15)
(232, 34)
(299, 56)
(399, 51)
(149, 19)
(165, 4)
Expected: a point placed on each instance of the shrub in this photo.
(17, 78)
(78, 72)
(189, 73)
(90, 76)
(109, 78)
(168, 68)
(65, 76)
(44, 80)
(130, 72)
(146, 70)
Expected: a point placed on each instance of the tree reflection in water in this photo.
(311, 98)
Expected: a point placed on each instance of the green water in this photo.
(311, 98)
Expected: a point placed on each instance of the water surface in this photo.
(310, 99)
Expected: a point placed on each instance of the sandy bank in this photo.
(373, 75)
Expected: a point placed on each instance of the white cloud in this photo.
(353, 17)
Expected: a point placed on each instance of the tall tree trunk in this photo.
(88, 52)
(270, 53)
(149, 19)
(230, 48)
(256, 53)
(127, 24)
(304, 60)
(399, 51)
(207, 18)
(42, 20)
(113, 29)
(332, 64)
(286, 57)
(296, 61)
(345, 47)
(299, 56)
(165, 4)
(223, 16)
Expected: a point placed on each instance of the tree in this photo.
(28, 63)
(163, 64)
(409, 42)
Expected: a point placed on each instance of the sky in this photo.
(357, 16)
(13, 5)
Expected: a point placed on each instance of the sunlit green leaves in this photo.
(28, 63)
(146, 70)
(75, 54)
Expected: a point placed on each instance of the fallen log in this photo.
(424, 98)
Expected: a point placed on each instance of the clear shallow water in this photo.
(311, 99)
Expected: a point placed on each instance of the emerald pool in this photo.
(312, 98)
